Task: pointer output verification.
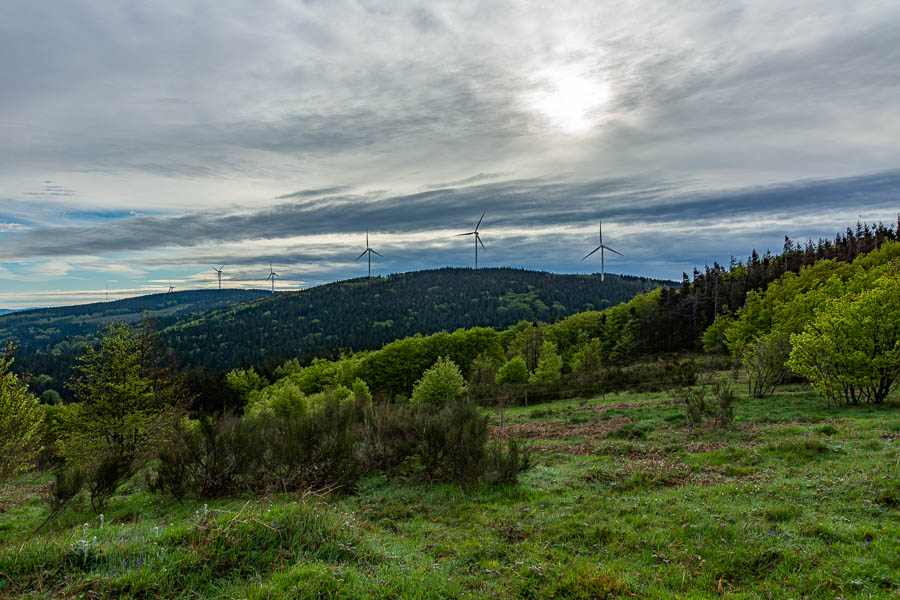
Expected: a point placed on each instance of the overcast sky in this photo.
(143, 143)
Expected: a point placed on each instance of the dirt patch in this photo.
(634, 404)
(557, 429)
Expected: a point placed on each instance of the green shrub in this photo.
(505, 462)
(67, 484)
(453, 442)
(106, 475)
(454, 446)
(765, 360)
(709, 403)
(440, 384)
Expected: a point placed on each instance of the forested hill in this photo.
(56, 331)
(362, 314)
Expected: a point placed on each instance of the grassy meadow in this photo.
(624, 501)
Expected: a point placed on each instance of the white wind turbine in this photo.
(368, 251)
(219, 272)
(602, 247)
(477, 237)
(272, 276)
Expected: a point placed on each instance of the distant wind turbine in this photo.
(219, 272)
(601, 248)
(477, 237)
(272, 276)
(368, 251)
(171, 289)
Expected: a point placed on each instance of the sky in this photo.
(143, 144)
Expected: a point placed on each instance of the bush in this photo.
(333, 446)
(67, 484)
(504, 464)
(216, 458)
(453, 442)
(440, 384)
(266, 452)
(765, 360)
(388, 435)
(850, 352)
(711, 402)
(106, 475)
(454, 446)
(21, 421)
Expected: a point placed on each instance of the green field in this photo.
(793, 501)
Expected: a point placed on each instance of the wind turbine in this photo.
(171, 289)
(219, 271)
(601, 248)
(477, 237)
(272, 276)
(368, 251)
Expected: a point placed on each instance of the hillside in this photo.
(362, 314)
(57, 330)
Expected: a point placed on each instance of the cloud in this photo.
(314, 193)
(311, 237)
(203, 117)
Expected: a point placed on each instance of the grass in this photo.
(794, 501)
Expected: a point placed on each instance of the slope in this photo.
(363, 314)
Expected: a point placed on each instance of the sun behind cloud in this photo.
(570, 100)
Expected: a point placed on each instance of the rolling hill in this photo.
(361, 314)
(56, 330)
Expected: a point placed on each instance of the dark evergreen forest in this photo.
(365, 314)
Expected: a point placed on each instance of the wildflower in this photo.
(140, 561)
(771, 532)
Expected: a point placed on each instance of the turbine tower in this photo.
(477, 237)
(219, 272)
(368, 251)
(272, 276)
(602, 247)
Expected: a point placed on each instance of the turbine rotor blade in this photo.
(470, 233)
(374, 252)
(478, 237)
(480, 220)
(611, 250)
(361, 255)
(591, 252)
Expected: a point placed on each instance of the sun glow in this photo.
(569, 100)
